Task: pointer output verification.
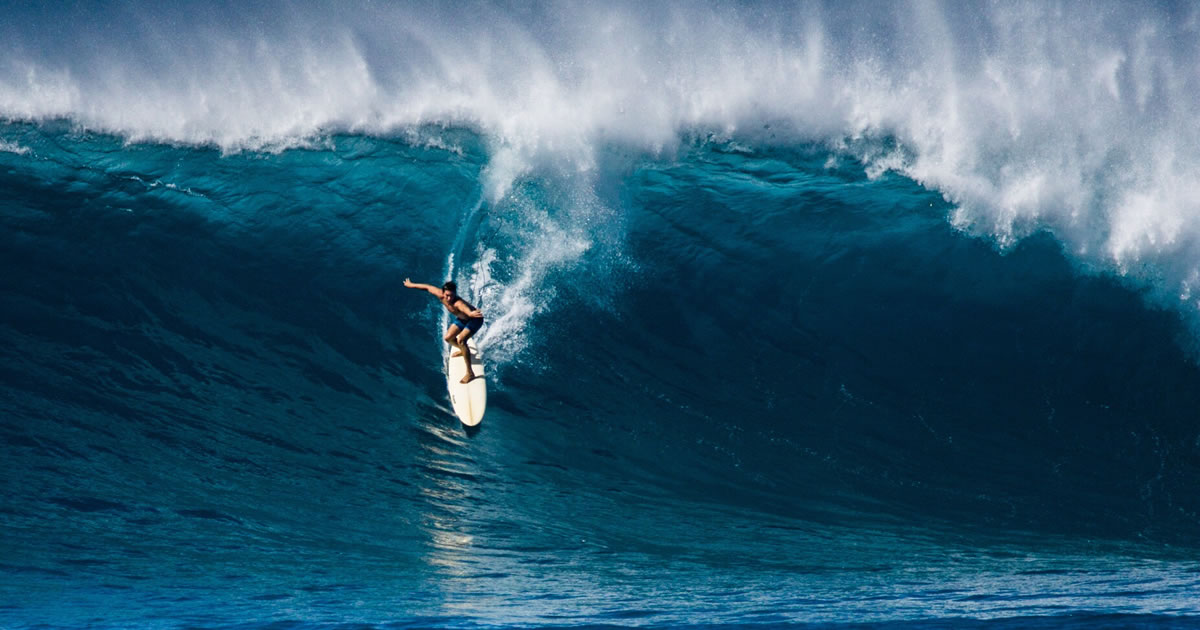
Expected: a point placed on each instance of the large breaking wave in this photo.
(1027, 116)
(821, 291)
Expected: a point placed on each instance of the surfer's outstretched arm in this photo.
(434, 291)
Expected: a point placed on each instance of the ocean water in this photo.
(844, 315)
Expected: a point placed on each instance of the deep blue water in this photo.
(789, 393)
(757, 356)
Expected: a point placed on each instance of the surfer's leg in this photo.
(452, 338)
(466, 353)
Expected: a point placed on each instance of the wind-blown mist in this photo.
(1074, 118)
(794, 313)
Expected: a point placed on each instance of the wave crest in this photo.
(1072, 119)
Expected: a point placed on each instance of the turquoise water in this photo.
(872, 346)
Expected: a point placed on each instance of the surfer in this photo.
(468, 319)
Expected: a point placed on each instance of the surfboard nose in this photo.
(469, 400)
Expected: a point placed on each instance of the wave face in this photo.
(821, 315)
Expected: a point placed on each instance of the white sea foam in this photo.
(12, 147)
(551, 236)
(1077, 118)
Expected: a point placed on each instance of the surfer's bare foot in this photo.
(456, 353)
(467, 379)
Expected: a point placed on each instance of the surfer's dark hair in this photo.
(450, 286)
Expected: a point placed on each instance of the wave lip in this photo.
(1076, 120)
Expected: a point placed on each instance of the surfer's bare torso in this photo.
(458, 307)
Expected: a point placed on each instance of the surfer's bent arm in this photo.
(460, 310)
(436, 292)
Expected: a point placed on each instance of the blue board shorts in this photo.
(473, 324)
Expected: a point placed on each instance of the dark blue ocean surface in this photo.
(789, 393)
(806, 355)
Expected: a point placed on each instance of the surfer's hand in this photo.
(476, 313)
(408, 283)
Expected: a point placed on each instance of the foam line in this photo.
(1078, 119)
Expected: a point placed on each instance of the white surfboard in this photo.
(469, 400)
